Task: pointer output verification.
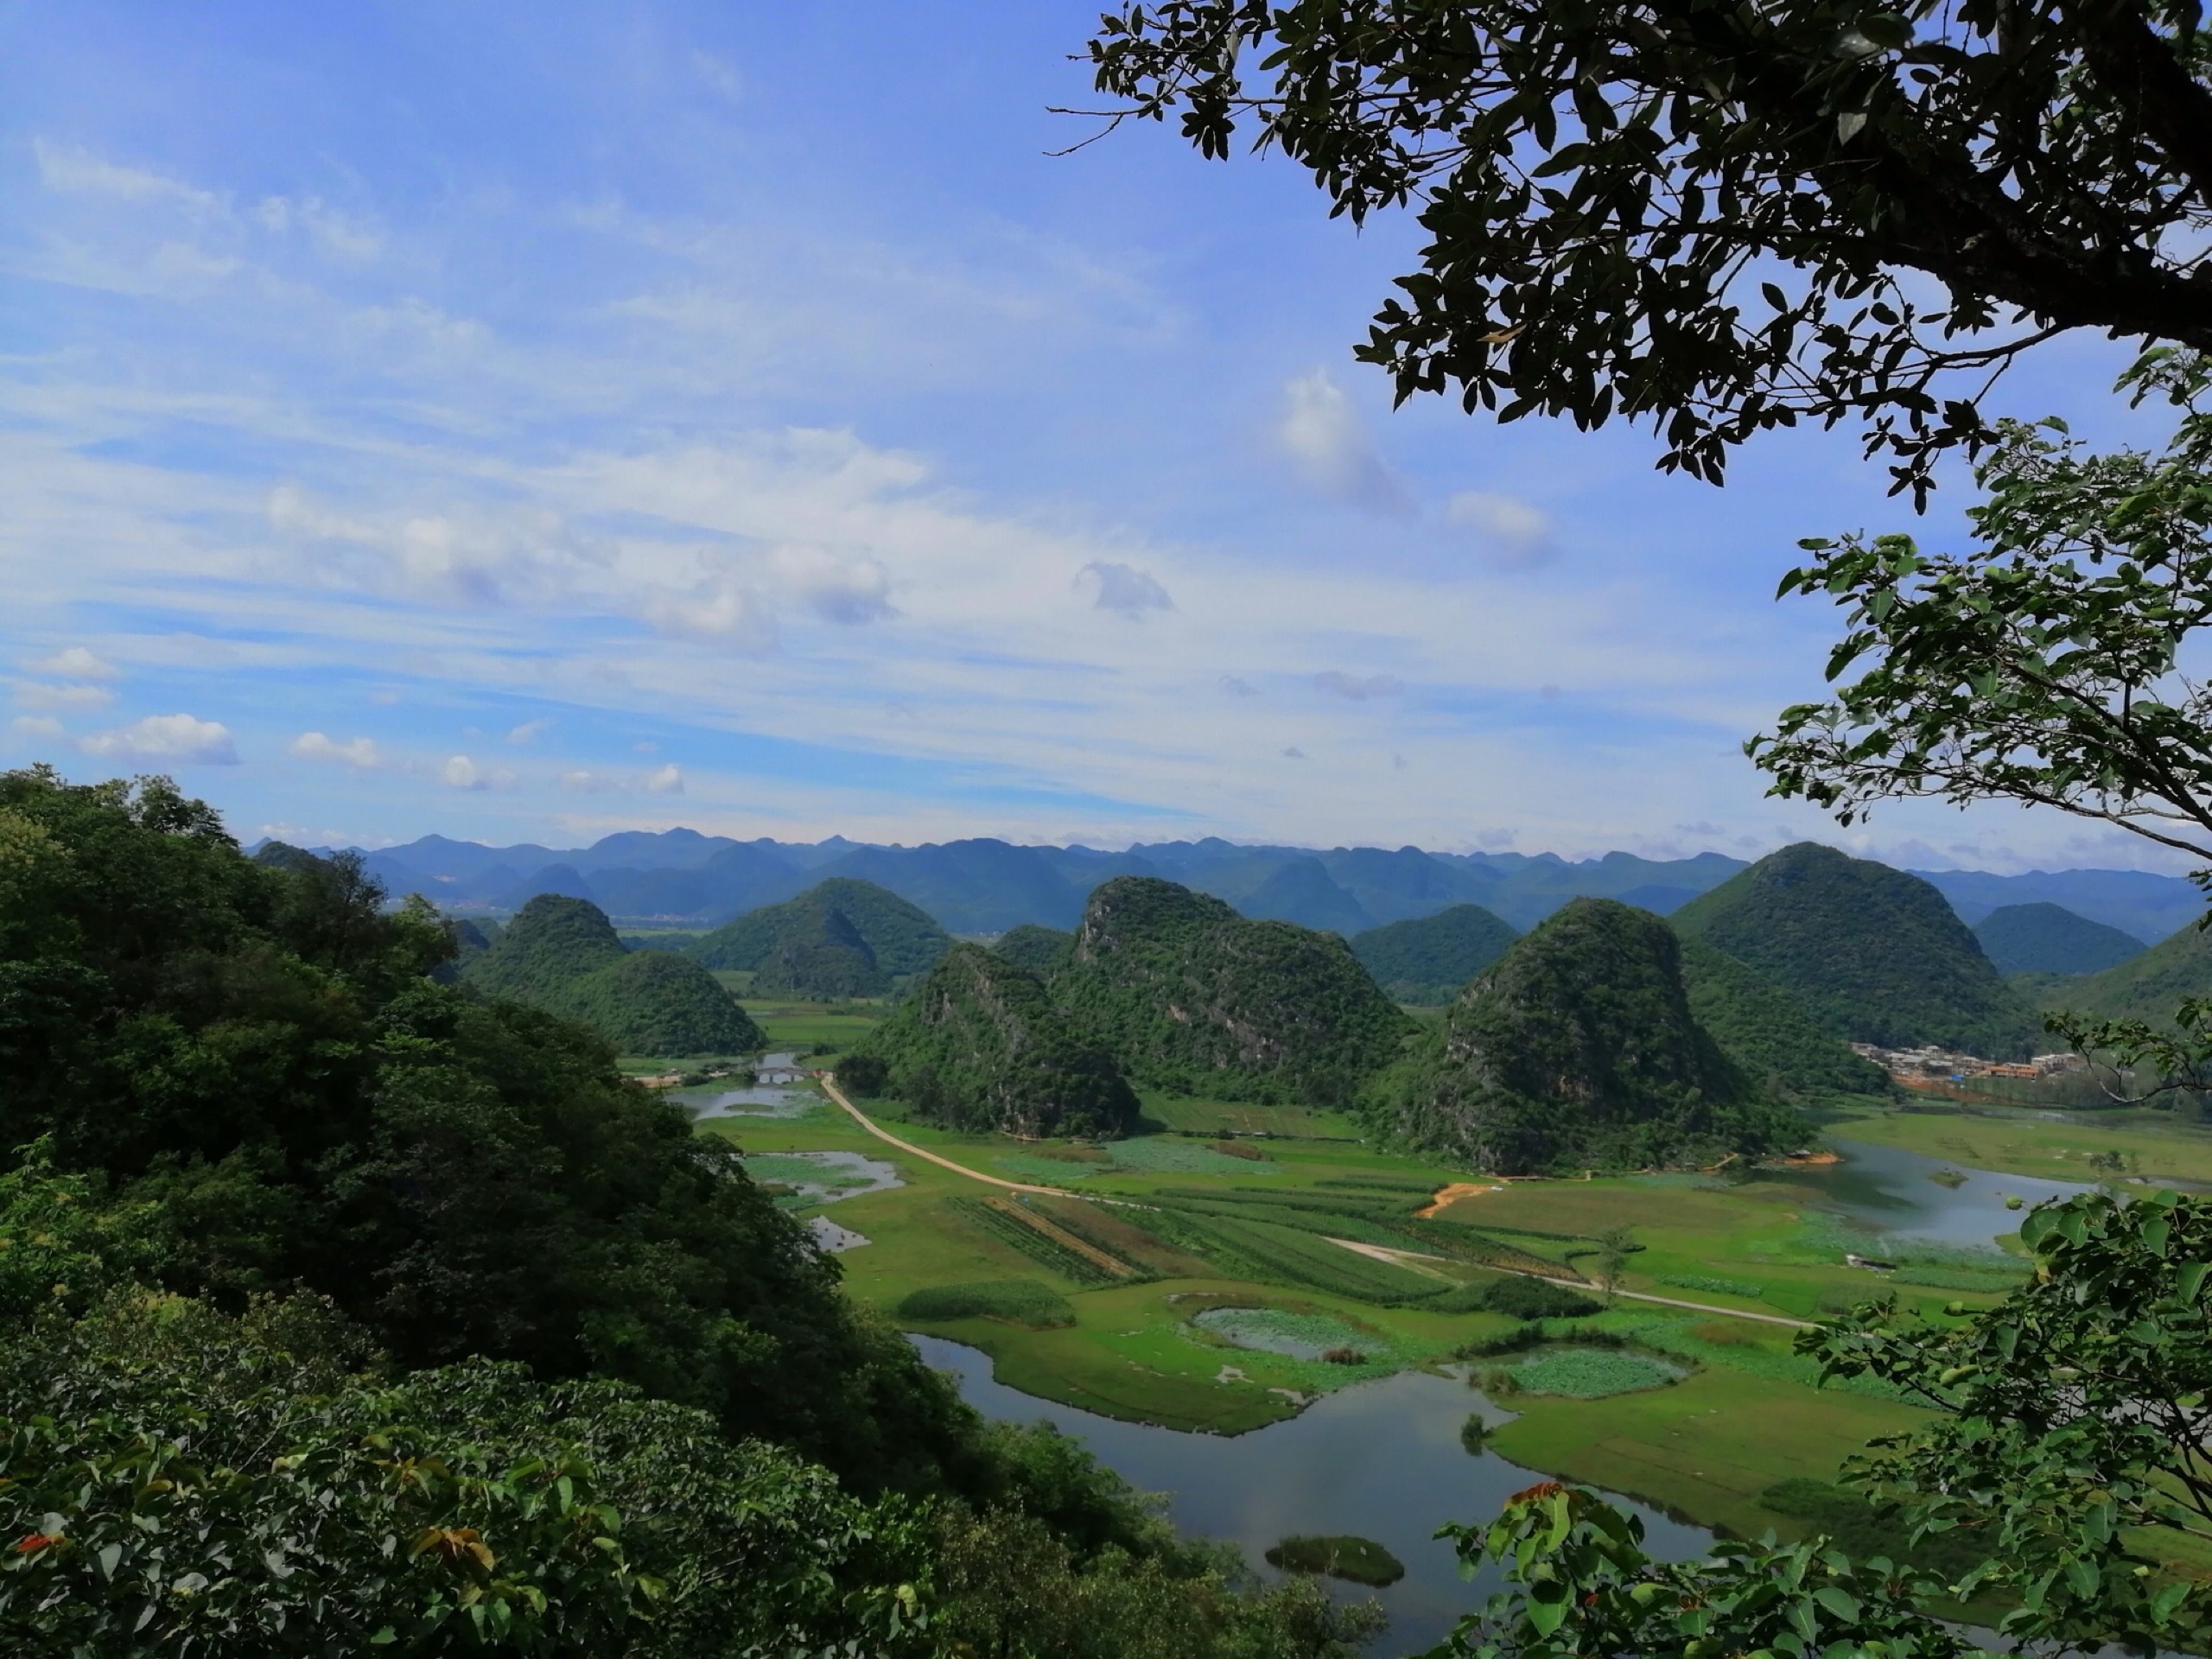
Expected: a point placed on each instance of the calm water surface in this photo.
(1894, 1191)
(1380, 1460)
(761, 1099)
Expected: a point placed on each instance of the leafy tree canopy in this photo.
(1722, 220)
(2045, 663)
(250, 1058)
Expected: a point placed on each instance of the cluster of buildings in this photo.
(1929, 1064)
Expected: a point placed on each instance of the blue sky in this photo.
(528, 421)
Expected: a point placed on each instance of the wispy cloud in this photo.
(1513, 534)
(37, 694)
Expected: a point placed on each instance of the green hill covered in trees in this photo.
(1873, 954)
(1578, 1050)
(1431, 957)
(562, 955)
(1040, 950)
(1767, 1032)
(1188, 995)
(840, 938)
(2044, 939)
(979, 1045)
(2149, 986)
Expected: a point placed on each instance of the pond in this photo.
(822, 1176)
(755, 1100)
(1895, 1192)
(1381, 1460)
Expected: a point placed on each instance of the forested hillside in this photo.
(1767, 1032)
(1041, 950)
(2043, 939)
(1875, 955)
(349, 1312)
(979, 1045)
(2149, 986)
(562, 955)
(1186, 994)
(1431, 959)
(840, 938)
(1578, 1050)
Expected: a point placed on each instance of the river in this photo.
(1382, 1459)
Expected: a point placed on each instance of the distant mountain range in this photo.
(679, 878)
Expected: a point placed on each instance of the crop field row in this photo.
(1004, 1222)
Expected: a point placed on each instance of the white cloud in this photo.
(35, 728)
(1124, 589)
(1359, 690)
(461, 772)
(667, 780)
(529, 732)
(76, 662)
(71, 170)
(33, 694)
(163, 738)
(586, 783)
(360, 752)
(1323, 436)
(1513, 534)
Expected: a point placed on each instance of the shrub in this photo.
(1473, 1432)
(1344, 1357)
(1012, 1301)
(1523, 1297)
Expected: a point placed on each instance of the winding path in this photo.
(829, 1087)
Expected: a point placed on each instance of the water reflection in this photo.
(1380, 1460)
(1895, 1191)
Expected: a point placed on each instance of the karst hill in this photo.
(1428, 958)
(1578, 1050)
(562, 955)
(1188, 995)
(840, 938)
(979, 1045)
(1873, 954)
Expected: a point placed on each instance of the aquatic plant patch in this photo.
(1274, 1330)
(1362, 1560)
(1585, 1373)
(1012, 1301)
